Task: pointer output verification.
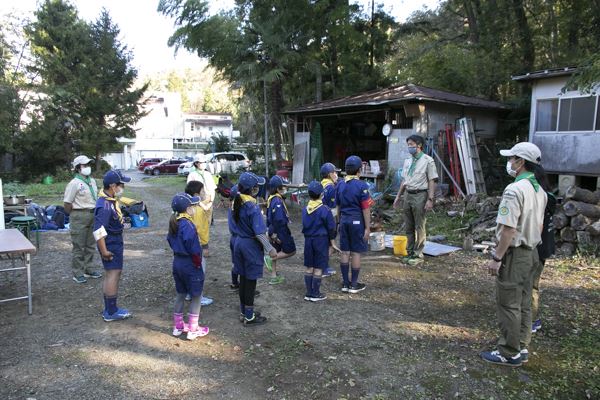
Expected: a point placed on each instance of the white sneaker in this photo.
(177, 332)
(201, 331)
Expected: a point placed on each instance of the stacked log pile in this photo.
(577, 222)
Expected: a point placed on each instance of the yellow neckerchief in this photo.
(326, 182)
(116, 203)
(313, 205)
(184, 215)
(531, 178)
(271, 197)
(247, 198)
(348, 178)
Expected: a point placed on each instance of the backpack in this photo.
(39, 213)
(548, 246)
(57, 215)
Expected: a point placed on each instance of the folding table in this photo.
(14, 245)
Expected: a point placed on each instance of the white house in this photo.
(201, 127)
(565, 124)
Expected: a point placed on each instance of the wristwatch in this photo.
(496, 258)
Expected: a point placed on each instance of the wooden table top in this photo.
(13, 241)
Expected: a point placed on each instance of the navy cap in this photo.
(181, 201)
(248, 180)
(328, 168)
(353, 162)
(277, 181)
(113, 176)
(315, 187)
(233, 192)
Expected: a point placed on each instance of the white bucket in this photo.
(377, 241)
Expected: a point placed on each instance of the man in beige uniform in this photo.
(199, 173)
(519, 228)
(419, 174)
(79, 202)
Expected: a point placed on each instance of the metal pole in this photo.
(266, 130)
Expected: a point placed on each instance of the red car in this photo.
(146, 162)
(164, 167)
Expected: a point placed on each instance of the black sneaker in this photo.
(319, 297)
(242, 316)
(256, 320)
(234, 286)
(345, 288)
(359, 287)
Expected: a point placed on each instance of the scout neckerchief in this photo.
(326, 182)
(247, 198)
(88, 181)
(531, 178)
(116, 204)
(416, 158)
(348, 178)
(313, 205)
(271, 197)
(184, 215)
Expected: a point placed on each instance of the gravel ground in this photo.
(415, 332)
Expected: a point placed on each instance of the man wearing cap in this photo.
(518, 232)
(108, 232)
(79, 202)
(419, 174)
(199, 173)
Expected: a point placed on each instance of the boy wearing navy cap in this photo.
(250, 244)
(318, 227)
(108, 232)
(329, 179)
(187, 265)
(277, 224)
(353, 204)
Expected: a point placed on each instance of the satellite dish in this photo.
(386, 129)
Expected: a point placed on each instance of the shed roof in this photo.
(545, 73)
(395, 94)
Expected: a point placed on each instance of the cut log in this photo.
(584, 240)
(573, 208)
(594, 228)
(580, 222)
(579, 194)
(560, 220)
(568, 234)
(566, 249)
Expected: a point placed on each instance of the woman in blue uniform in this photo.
(250, 244)
(108, 232)
(187, 265)
(277, 224)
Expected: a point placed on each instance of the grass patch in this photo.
(439, 223)
(169, 180)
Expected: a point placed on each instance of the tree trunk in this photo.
(319, 83)
(525, 36)
(594, 229)
(472, 20)
(560, 220)
(568, 234)
(276, 110)
(579, 194)
(573, 208)
(98, 159)
(580, 222)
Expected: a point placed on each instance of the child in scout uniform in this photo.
(235, 277)
(419, 174)
(250, 244)
(518, 231)
(188, 271)
(201, 222)
(277, 224)
(79, 202)
(353, 203)
(329, 179)
(318, 227)
(108, 232)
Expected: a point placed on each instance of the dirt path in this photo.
(414, 333)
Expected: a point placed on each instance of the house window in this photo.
(577, 114)
(192, 126)
(546, 113)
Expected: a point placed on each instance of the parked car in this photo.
(164, 167)
(146, 162)
(223, 162)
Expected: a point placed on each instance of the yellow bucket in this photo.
(400, 245)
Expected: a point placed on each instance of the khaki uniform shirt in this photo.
(423, 172)
(207, 180)
(522, 208)
(78, 193)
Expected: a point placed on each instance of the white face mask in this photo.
(283, 192)
(86, 171)
(509, 169)
(118, 192)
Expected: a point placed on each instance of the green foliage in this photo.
(219, 142)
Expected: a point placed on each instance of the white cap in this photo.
(199, 158)
(81, 160)
(525, 150)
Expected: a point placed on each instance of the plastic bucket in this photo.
(400, 245)
(48, 180)
(377, 241)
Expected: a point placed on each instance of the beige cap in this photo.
(199, 158)
(81, 160)
(524, 150)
